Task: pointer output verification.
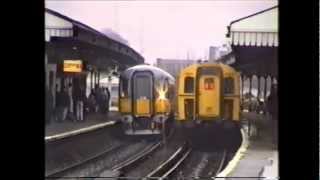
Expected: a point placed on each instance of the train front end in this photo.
(144, 107)
(208, 105)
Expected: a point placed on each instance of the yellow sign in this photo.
(72, 66)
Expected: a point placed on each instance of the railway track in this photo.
(93, 166)
(221, 164)
(61, 172)
(171, 164)
(65, 152)
(149, 159)
(127, 164)
(201, 165)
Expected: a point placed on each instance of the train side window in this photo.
(123, 87)
(188, 84)
(228, 85)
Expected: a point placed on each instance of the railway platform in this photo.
(257, 157)
(68, 127)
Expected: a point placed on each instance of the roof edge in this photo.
(237, 20)
(260, 12)
(92, 29)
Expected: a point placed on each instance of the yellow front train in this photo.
(208, 93)
(146, 99)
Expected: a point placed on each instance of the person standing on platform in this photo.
(49, 105)
(84, 102)
(57, 104)
(92, 101)
(99, 96)
(273, 110)
(70, 109)
(103, 100)
(80, 98)
(108, 100)
(64, 104)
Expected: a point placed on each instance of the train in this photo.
(208, 93)
(208, 105)
(146, 100)
(203, 102)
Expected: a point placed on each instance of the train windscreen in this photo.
(143, 85)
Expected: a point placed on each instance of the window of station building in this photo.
(228, 85)
(188, 84)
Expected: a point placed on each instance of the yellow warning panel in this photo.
(125, 105)
(143, 107)
(162, 106)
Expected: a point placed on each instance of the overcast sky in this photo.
(163, 29)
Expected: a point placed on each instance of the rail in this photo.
(222, 162)
(167, 167)
(55, 174)
(130, 162)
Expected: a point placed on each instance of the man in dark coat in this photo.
(63, 104)
(107, 99)
(80, 98)
(49, 105)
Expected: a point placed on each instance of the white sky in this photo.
(163, 29)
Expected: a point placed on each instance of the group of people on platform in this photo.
(270, 108)
(72, 103)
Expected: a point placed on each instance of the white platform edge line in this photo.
(79, 131)
(234, 162)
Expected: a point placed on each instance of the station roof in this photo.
(62, 30)
(254, 42)
(258, 29)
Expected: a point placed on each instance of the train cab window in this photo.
(209, 84)
(188, 84)
(123, 87)
(228, 85)
(143, 86)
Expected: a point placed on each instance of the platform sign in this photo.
(74, 66)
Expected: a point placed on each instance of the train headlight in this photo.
(162, 94)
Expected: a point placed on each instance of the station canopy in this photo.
(254, 42)
(69, 39)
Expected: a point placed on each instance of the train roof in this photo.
(144, 67)
(226, 68)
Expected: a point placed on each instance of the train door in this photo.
(229, 98)
(143, 93)
(208, 93)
